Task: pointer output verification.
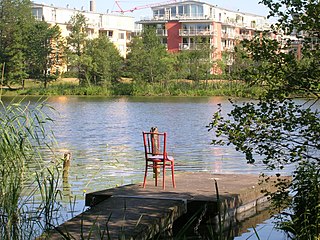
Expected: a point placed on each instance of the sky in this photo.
(103, 6)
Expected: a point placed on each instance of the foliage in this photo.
(15, 22)
(303, 221)
(97, 60)
(195, 63)
(43, 51)
(171, 88)
(276, 130)
(27, 47)
(76, 42)
(237, 61)
(148, 60)
(280, 131)
(23, 138)
(78, 33)
(104, 62)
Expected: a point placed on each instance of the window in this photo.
(160, 26)
(110, 33)
(53, 13)
(200, 10)
(121, 35)
(161, 12)
(37, 13)
(186, 10)
(212, 12)
(155, 12)
(173, 11)
(180, 10)
(194, 11)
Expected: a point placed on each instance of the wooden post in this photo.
(65, 174)
(66, 165)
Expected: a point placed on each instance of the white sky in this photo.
(102, 6)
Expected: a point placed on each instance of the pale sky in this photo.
(102, 6)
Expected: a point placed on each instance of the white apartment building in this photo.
(117, 27)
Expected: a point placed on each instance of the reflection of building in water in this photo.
(217, 162)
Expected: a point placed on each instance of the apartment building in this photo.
(117, 27)
(181, 23)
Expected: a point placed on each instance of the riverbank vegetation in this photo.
(170, 88)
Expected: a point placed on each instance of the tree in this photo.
(147, 59)
(15, 22)
(76, 44)
(43, 46)
(235, 61)
(197, 61)
(276, 129)
(103, 62)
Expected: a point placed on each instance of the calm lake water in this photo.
(104, 136)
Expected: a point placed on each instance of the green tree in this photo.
(103, 62)
(43, 50)
(76, 42)
(15, 22)
(235, 61)
(197, 60)
(276, 130)
(147, 58)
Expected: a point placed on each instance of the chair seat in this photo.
(159, 157)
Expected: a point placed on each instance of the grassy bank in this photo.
(128, 88)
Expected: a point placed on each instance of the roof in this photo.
(203, 3)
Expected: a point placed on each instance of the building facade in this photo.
(183, 23)
(118, 28)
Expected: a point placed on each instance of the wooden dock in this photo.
(133, 212)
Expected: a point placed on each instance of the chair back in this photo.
(155, 144)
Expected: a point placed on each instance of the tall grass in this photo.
(199, 88)
(166, 88)
(66, 89)
(23, 137)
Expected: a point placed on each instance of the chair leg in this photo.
(163, 176)
(172, 174)
(155, 172)
(145, 176)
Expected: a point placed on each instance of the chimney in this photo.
(93, 6)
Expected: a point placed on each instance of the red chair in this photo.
(157, 157)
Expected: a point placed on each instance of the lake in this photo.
(104, 136)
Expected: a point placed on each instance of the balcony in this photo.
(228, 35)
(195, 32)
(245, 36)
(228, 49)
(192, 46)
(162, 32)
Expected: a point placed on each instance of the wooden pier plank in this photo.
(124, 218)
(140, 213)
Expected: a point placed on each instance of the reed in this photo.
(23, 214)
